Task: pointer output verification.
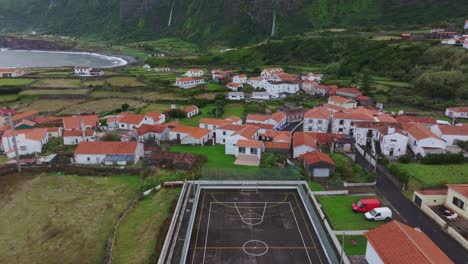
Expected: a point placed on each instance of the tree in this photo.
(366, 83)
(125, 106)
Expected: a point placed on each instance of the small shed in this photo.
(318, 164)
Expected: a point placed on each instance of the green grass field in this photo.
(437, 175)
(137, 233)
(215, 86)
(99, 106)
(316, 187)
(234, 109)
(359, 247)
(58, 83)
(53, 92)
(50, 218)
(339, 212)
(124, 81)
(194, 121)
(15, 81)
(8, 97)
(51, 106)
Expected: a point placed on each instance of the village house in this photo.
(426, 121)
(270, 73)
(11, 73)
(344, 122)
(315, 77)
(318, 164)
(162, 69)
(191, 110)
(295, 114)
(422, 140)
(342, 102)
(249, 152)
(236, 96)
(454, 198)
(323, 90)
(308, 86)
(385, 138)
(74, 137)
(231, 134)
(133, 121)
(90, 122)
(451, 134)
(189, 82)
(234, 86)
(457, 112)
(348, 92)
(260, 96)
(412, 246)
(194, 73)
(218, 75)
(212, 124)
(303, 142)
(4, 112)
(241, 78)
(54, 132)
(25, 124)
(277, 141)
(282, 88)
(84, 71)
(364, 100)
(277, 119)
(153, 133)
(317, 119)
(27, 115)
(28, 141)
(108, 153)
(188, 135)
(333, 108)
(257, 83)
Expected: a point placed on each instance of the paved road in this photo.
(416, 218)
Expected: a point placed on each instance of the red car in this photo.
(365, 205)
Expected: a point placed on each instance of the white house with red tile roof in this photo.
(80, 122)
(457, 112)
(230, 134)
(349, 92)
(323, 90)
(11, 73)
(224, 132)
(317, 119)
(54, 131)
(392, 139)
(451, 134)
(277, 119)
(153, 133)
(256, 82)
(308, 86)
(27, 115)
(303, 142)
(188, 135)
(120, 153)
(134, 121)
(342, 102)
(190, 110)
(220, 75)
(249, 152)
(29, 141)
(194, 73)
(269, 73)
(74, 137)
(317, 77)
(189, 82)
(276, 89)
(457, 199)
(318, 164)
(398, 243)
(422, 140)
(343, 123)
(333, 108)
(233, 86)
(240, 78)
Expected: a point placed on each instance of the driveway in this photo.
(414, 217)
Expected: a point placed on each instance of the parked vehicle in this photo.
(379, 214)
(365, 205)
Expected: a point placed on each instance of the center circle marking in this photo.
(255, 248)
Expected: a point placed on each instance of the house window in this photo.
(414, 143)
(393, 140)
(340, 130)
(458, 203)
(88, 158)
(23, 148)
(242, 150)
(320, 122)
(253, 151)
(311, 121)
(341, 122)
(310, 129)
(224, 133)
(224, 141)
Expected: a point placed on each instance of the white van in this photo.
(379, 214)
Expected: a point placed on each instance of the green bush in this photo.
(402, 175)
(449, 158)
(404, 159)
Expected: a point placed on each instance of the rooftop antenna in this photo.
(15, 146)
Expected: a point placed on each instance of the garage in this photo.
(321, 172)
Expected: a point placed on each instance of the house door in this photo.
(178, 137)
(391, 151)
(417, 200)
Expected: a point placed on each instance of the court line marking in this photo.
(206, 236)
(277, 203)
(252, 254)
(199, 222)
(239, 248)
(308, 230)
(261, 218)
(300, 233)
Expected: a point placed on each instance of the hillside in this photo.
(204, 21)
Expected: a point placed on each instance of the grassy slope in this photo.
(57, 219)
(437, 175)
(359, 249)
(137, 234)
(15, 81)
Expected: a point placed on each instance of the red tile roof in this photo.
(24, 115)
(460, 109)
(36, 134)
(145, 129)
(247, 132)
(74, 122)
(419, 131)
(318, 113)
(249, 143)
(234, 85)
(333, 107)
(459, 188)
(77, 133)
(355, 91)
(258, 117)
(53, 129)
(262, 126)
(187, 79)
(171, 124)
(397, 243)
(107, 148)
(134, 119)
(304, 138)
(278, 116)
(156, 115)
(454, 130)
(416, 119)
(432, 192)
(316, 157)
(5, 111)
(194, 132)
(233, 118)
(277, 145)
(352, 116)
(231, 127)
(214, 121)
(339, 99)
(47, 119)
(189, 109)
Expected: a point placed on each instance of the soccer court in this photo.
(253, 226)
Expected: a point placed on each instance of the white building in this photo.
(343, 123)
(270, 73)
(457, 112)
(317, 77)
(412, 246)
(28, 141)
(260, 96)
(317, 120)
(277, 119)
(162, 69)
(189, 82)
(224, 132)
(133, 121)
(451, 134)
(188, 135)
(109, 153)
(234, 86)
(303, 142)
(391, 139)
(241, 78)
(194, 73)
(236, 96)
(257, 83)
(153, 133)
(85, 71)
(11, 73)
(191, 110)
(275, 89)
(423, 141)
(230, 137)
(249, 152)
(308, 86)
(74, 137)
(342, 102)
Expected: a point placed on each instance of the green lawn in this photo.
(194, 121)
(234, 109)
(394, 83)
(359, 247)
(437, 175)
(124, 81)
(8, 97)
(58, 83)
(342, 217)
(215, 86)
(15, 81)
(216, 157)
(316, 187)
(50, 218)
(138, 232)
(53, 91)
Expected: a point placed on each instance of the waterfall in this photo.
(273, 26)
(170, 15)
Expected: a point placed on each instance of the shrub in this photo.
(404, 159)
(402, 175)
(449, 158)
(177, 113)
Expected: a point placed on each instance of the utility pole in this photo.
(15, 146)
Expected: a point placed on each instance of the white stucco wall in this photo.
(371, 255)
